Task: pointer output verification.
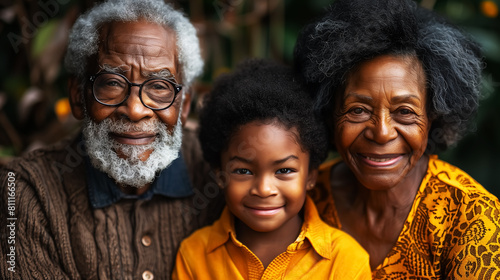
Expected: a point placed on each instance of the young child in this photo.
(258, 132)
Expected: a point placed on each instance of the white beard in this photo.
(131, 171)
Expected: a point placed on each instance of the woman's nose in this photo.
(382, 129)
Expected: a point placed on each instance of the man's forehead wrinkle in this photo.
(140, 49)
(149, 51)
(147, 65)
(136, 55)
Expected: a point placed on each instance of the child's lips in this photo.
(265, 210)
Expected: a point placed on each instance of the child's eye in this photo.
(242, 171)
(284, 171)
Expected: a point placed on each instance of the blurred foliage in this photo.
(34, 109)
(477, 153)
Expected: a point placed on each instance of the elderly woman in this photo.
(396, 84)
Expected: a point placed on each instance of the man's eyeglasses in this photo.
(112, 89)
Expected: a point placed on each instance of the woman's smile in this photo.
(380, 160)
(381, 127)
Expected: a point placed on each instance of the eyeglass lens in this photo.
(112, 89)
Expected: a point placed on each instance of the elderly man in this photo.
(115, 202)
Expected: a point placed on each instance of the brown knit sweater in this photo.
(58, 235)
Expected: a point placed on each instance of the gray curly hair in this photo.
(354, 31)
(84, 36)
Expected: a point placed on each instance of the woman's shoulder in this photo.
(459, 213)
(441, 173)
(450, 189)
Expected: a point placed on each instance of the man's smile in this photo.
(134, 138)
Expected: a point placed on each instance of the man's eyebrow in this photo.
(162, 74)
(114, 69)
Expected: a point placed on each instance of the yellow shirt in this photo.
(319, 252)
(452, 230)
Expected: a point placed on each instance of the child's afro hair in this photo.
(259, 90)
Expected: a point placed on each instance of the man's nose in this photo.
(133, 108)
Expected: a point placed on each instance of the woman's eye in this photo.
(358, 114)
(358, 111)
(284, 171)
(405, 116)
(242, 171)
(405, 111)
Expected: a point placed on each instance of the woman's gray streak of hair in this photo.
(84, 36)
(353, 31)
(454, 76)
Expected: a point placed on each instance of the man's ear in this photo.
(76, 99)
(186, 107)
(311, 179)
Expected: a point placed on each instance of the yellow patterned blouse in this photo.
(452, 231)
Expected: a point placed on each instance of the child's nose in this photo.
(264, 187)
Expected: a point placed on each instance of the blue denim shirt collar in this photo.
(173, 181)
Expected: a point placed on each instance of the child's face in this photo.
(267, 176)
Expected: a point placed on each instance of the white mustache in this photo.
(122, 126)
(131, 170)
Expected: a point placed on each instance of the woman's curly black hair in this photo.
(354, 31)
(259, 90)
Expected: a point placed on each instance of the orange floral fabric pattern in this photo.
(452, 230)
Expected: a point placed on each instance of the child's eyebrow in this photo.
(240, 159)
(280, 161)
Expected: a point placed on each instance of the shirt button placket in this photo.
(147, 275)
(146, 240)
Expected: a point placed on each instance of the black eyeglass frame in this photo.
(177, 89)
